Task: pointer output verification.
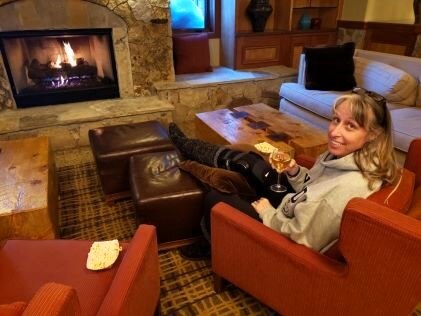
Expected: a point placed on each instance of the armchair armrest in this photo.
(377, 234)
(383, 245)
(136, 287)
(54, 299)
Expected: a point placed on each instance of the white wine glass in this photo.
(280, 159)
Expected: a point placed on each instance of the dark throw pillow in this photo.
(191, 54)
(223, 180)
(330, 67)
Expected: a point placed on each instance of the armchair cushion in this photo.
(330, 67)
(54, 299)
(397, 196)
(225, 181)
(415, 208)
(12, 309)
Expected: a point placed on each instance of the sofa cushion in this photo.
(396, 85)
(191, 53)
(316, 101)
(330, 67)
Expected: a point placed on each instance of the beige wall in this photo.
(354, 10)
(214, 48)
(395, 11)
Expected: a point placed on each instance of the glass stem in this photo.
(279, 179)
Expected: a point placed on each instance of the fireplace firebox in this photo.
(59, 66)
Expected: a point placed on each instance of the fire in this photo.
(70, 54)
(70, 57)
(57, 63)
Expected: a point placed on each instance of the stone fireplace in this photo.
(47, 67)
(140, 32)
(140, 35)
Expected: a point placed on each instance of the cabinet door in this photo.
(324, 3)
(298, 42)
(301, 3)
(258, 51)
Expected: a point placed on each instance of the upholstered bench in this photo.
(166, 197)
(112, 147)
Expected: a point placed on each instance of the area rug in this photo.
(186, 286)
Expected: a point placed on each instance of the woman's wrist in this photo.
(295, 173)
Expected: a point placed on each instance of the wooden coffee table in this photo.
(262, 123)
(28, 189)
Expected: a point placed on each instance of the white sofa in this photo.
(395, 77)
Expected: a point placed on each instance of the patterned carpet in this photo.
(186, 286)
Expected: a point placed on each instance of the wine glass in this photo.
(280, 159)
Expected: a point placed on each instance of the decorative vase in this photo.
(315, 23)
(305, 22)
(258, 12)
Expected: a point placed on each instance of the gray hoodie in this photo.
(312, 216)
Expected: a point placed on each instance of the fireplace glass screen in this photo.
(52, 67)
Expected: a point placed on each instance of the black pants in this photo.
(213, 197)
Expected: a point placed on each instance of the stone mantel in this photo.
(141, 36)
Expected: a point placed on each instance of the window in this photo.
(188, 14)
(195, 16)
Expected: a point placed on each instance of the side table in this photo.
(28, 189)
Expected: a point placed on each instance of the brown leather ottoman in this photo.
(112, 147)
(166, 197)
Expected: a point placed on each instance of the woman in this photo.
(358, 162)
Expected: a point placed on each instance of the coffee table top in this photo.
(255, 123)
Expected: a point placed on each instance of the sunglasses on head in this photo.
(379, 99)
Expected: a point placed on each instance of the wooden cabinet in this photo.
(282, 40)
(299, 40)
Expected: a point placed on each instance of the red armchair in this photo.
(51, 278)
(377, 272)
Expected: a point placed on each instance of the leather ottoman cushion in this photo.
(165, 196)
(112, 147)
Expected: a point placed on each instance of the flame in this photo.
(70, 54)
(56, 64)
(70, 57)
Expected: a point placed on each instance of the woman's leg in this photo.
(194, 149)
(201, 249)
(213, 197)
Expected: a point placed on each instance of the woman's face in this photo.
(345, 135)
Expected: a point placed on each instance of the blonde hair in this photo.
(376, 159)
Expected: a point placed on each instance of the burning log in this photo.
(41, 72)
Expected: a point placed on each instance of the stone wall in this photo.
(141, 35)
(189, 99)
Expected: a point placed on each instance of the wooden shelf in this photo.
(243, 48)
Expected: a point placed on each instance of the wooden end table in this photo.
(262, 123)
(28, 189)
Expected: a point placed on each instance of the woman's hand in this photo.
(261, 205)
(292, 168)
